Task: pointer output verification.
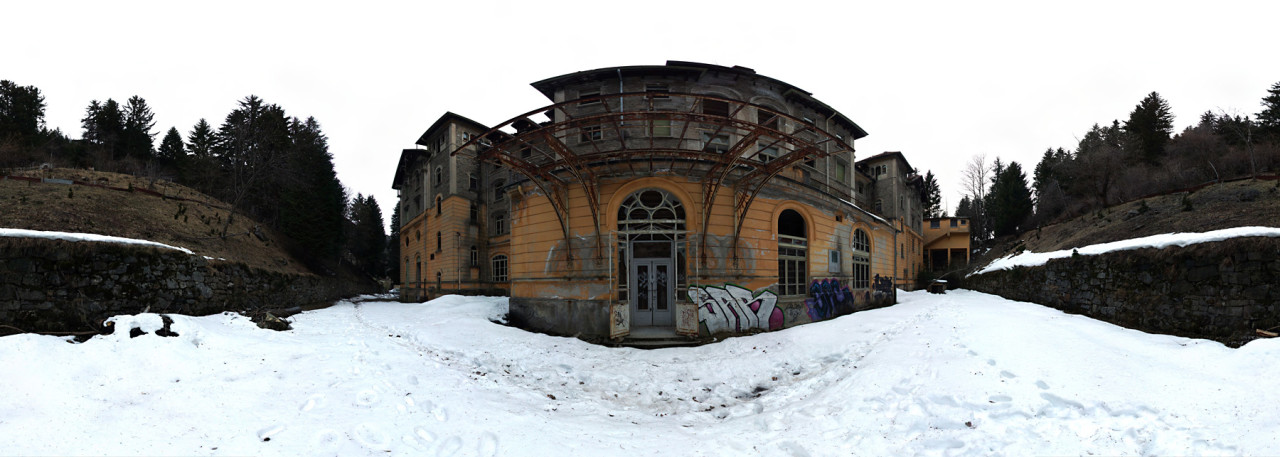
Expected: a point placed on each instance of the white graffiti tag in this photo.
(734, 309)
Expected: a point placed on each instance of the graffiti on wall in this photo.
(735, 309)
(882, 287)
(829, 299)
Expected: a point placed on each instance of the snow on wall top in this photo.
(69, 236)
(1032, 259)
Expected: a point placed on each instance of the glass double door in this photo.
(653, 280)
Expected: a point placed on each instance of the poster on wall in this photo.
(686, 319)
(619, 320)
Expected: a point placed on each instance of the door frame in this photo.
(652, 317)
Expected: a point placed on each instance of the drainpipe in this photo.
(622, 102)
(457, 263)
(894, 290)
(826, 180)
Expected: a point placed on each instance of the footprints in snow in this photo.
(421, 427)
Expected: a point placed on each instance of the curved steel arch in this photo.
(550, 157)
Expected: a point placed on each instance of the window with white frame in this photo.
(499, 224)
(861, 260)
(793, 249)
(499, 268)
(715, 143)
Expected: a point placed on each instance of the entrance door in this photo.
(654, 286)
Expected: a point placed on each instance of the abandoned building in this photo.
(946, 243)
(684, 198)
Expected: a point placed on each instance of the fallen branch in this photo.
(1264, 333)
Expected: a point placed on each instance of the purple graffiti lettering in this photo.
(830, 299)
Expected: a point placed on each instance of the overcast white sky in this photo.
(939, 81)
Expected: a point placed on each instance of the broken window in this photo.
(588, 93)
(715, 108)
(591, 133)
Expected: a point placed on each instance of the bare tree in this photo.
(975, 177)
(1241, 129)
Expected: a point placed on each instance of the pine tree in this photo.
(1148, 130)
(1269, 118)
(21, 112)
(104, 126)
(252, 145)
(200, 169)
(368, 240)
(138, 139)
(931, 196)
(201, 139)
(393, 247)
(966, 209)
(312, 203)
(172, 151)
(89, 123)
(1009, 203)
(1049, 176)
(1098, 162)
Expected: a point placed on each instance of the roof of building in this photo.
(447, 117)
(407, 158)
(888, 155)
(693, 69)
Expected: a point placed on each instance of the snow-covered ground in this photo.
(957, 374)
(1031, 259)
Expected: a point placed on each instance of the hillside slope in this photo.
(1219, 206)
(104, 203)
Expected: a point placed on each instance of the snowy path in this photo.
(956, 374)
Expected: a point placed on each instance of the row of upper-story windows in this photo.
(935, 223)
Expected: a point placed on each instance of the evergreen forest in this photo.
(265, 163)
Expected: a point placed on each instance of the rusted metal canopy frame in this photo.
(723, 165)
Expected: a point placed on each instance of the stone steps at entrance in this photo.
(657, 338)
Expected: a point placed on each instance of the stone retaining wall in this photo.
(1221, 291)
(53, 286)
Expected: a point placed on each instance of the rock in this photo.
(270, 321)
(1249, 195)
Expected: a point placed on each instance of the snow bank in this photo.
(1031, 259)
(93, 237)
